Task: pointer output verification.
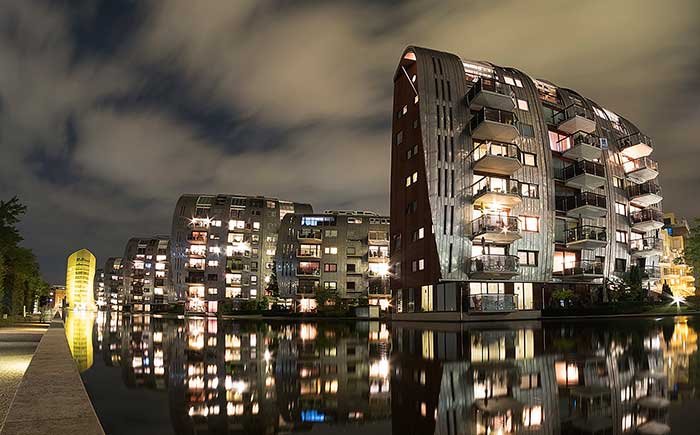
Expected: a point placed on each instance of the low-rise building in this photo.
(674, 271)
(345, 253)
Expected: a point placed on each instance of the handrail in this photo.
(640, 163)
(494, 263)
(647, 214)
(566, 203)
(648, 187)
(583, 167)
(494, 148)
(487, 184)
(582, 267)
(634, 139)
(484, 84)
(586, 232)
(493, 302)
(495, 115)
(493, 223)
(570, 111)
(646, 244)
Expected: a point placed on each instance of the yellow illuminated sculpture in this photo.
(80, 273)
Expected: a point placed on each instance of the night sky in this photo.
(109, 110)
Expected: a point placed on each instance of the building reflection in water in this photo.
(252, 377)
(78, 326)
(569, 379)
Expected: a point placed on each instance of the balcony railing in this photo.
(583, 167)
(647, 219)
(646, 246)
(640, 163)
(580, 146)
(586, 232)
(496, 266)
(587, 204)
(197, 237)
(491, 93)
(635, 145)
(581, 268)
(496, 228)
(308, 271)
(494, 124)
(504, 190)
(575, 117)
(309, 253)
(308, 233)
(646, 194)
(496, 157)
(493, 303)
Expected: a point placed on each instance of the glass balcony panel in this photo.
(646, 247)
(582, 269)
(648, 219)
(494, 124)
(495, 228)
(575, 117)
(489, 190)
(491, 93)
(586, 237)
(641, 170)
(584, 204)
(645, 194)
(496, 157)
(491, 266)
(580, 146)
(584, 175)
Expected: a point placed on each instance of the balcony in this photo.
(575, 118)
(635, 146)
(496, 157)
(490, 93)
(197, 237)
(585, 204)
(649, 219)
(641, 170)
(582, 270)
(493, 190)
(494, 124)
(582, 146)
(491, 266)
(309, 235)
(645, 194)
(379, 238)
(586, 237)
(309, 253)
(377, 256)
(494, 303)
(584, 175)
(307, 271)
(496, 228)
(646, 247)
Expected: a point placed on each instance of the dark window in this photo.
(330, 267)
(411, 207)
(212, 277)
(351, 268)
(526, 130)
(351, 285)
(449, 91)
(439, 147)
(620, 265)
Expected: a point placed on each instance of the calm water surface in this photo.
(149, 375)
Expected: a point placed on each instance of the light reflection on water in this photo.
(221, 376)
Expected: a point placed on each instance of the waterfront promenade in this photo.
(51, 398)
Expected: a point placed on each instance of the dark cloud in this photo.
(110, 110)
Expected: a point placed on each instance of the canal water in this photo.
(150, 375)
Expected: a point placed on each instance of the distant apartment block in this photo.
(99, 283)
(145, 270)
(114, 283)
(223, 247)
(505, 187)
(345, 253)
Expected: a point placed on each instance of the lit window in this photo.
(620, 208)
(411, 179)
(518, 83)
(330, 285)
(529, 159)
(213, 263)
(509, 80)
(333, 250)
(256, 226)
(415, 100)
(236, 224)
(527, 258)
(421, 264)
(621, 236)
(522, 105)
(419, 234)
(532, 416)
(530, 223)
(212, 290)
(529, 190)
(618, 182)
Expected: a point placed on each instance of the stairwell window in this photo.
(529, 159)
(621, 236)
(527, 258)
(620, 208)
(530, 223)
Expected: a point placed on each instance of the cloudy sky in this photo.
(109, 110)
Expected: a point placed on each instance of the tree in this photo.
(691, 254)
(666, 289)
(273, 288)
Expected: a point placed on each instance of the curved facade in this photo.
(504, 187)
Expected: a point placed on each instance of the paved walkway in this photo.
(51, 398)
(17, 345)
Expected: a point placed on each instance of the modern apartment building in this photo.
(674, 272)
(114, 283)
(99, 283)
(145, 271)
(505, 187)
(223, 247)
(344, 252)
